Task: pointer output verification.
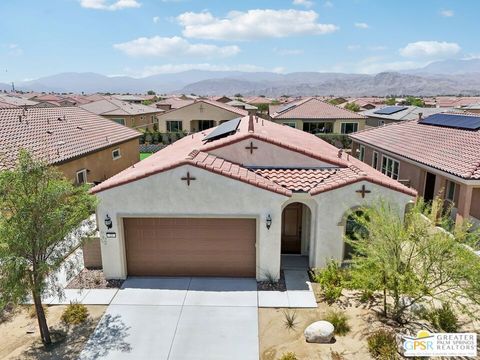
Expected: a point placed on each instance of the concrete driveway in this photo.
(179, 319)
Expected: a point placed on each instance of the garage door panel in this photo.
(190, 246)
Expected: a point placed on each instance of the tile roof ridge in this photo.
(357, 170)
(193, 154)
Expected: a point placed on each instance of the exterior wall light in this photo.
(108, 222)
(269, 221)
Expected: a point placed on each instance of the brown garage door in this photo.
(196, 247)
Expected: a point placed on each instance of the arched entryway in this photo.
(296, 224)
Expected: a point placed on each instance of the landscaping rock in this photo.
(319, 332)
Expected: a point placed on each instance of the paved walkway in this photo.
(179, 319)
(299, 292)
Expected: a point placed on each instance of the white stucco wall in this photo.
(331, 209)
(210, 195)
(266, 155)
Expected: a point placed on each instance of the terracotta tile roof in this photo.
(56, 134)
(175, 102)
(117, 107)
(296, 180)
(4, 105)
(17, 101)
(455, 151)
(313, 108)
(194, 151)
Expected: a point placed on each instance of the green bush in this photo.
(382, 345)
(75, 314)
(444, 319)
(289, 356)
(339, 321)
(331, 280)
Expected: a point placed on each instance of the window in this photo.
(152, 118)
(375, 160)
(292, 124)
(450, 194)
(81, 176)
(381, 122)
(318, 127)
(348, 128)
(390, 167)
(174, 126)
(205, 124)
(120, 121)
(361, 153)
(116, 154)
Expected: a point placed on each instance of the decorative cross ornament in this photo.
(188, 178)
(363, 191)
(251, 147)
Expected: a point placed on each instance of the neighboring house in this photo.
(435, 160)
(473, 108)
(85, 147)
(456, 101)
(136, 116)
(17, 101)
(317, 116)
(198, 115)
(231, 200)
(172, 103)
(223, 99)
(241, 105)
(388, 114)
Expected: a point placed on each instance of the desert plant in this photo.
(290, 321)
(443, 318)
(289, 356)
(75, 314)
(382, 345)
(331, 280)
(335, 355)
(339, 321)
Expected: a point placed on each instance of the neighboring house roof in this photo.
(174, 102)
(138, 98)
(455, 151)
(454, 101)
(409, 113)
(117, 107)
(312, 108)
(217, 104)
(241, 104)
(193, 150)
(48, 97)
(4, 105)
(17, 101)
(56, 134)
(257, 100)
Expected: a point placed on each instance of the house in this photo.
(17, 101)
(223, 99)
(438, 156)
(84, 146)
(316, 116)
(388, 114)
(230, 200)
(241, 105)
(136, 116)
(172, 103)
(197, 115)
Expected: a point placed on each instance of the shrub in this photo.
(289, 356)
(331, 280)
(335, 355)
(382, 345)
(331, 293)
(339, 321)
(75, 314)
(444, 319)
(290, 319)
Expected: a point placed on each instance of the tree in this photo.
(352, 107)
(413, 101)
(151, 92)
(390, 101)
(41, 213)
(238, 95)
(263, 108)
(413, 261)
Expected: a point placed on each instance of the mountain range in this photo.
(448, 77)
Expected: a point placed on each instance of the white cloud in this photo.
(175, 68)
(253, 24)
(361, 25)
(430, 49)
(288, 52)
(156, 19)
(109, 5)
(174, 46)
(374, 65)
(306, 3)
(447, 13)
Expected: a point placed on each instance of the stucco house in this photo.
(229, 201)
(197, 115)
(438, 156)
(86, 147)
(317, 116)
(391, 114)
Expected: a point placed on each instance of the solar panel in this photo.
(389, 110)
(457, 121)
(285, 108)
(225, 129)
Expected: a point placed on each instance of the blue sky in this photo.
(144, 37)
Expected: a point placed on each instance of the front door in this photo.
(429, 191)
(292, 229)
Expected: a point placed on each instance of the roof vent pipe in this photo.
(250, 124)
(420, 116)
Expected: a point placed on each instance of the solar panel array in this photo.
(458, 121)
(225, 129)
(285, 108)
(389, 110)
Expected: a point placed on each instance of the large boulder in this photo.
(319, 332)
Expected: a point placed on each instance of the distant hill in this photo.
(449, 77)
